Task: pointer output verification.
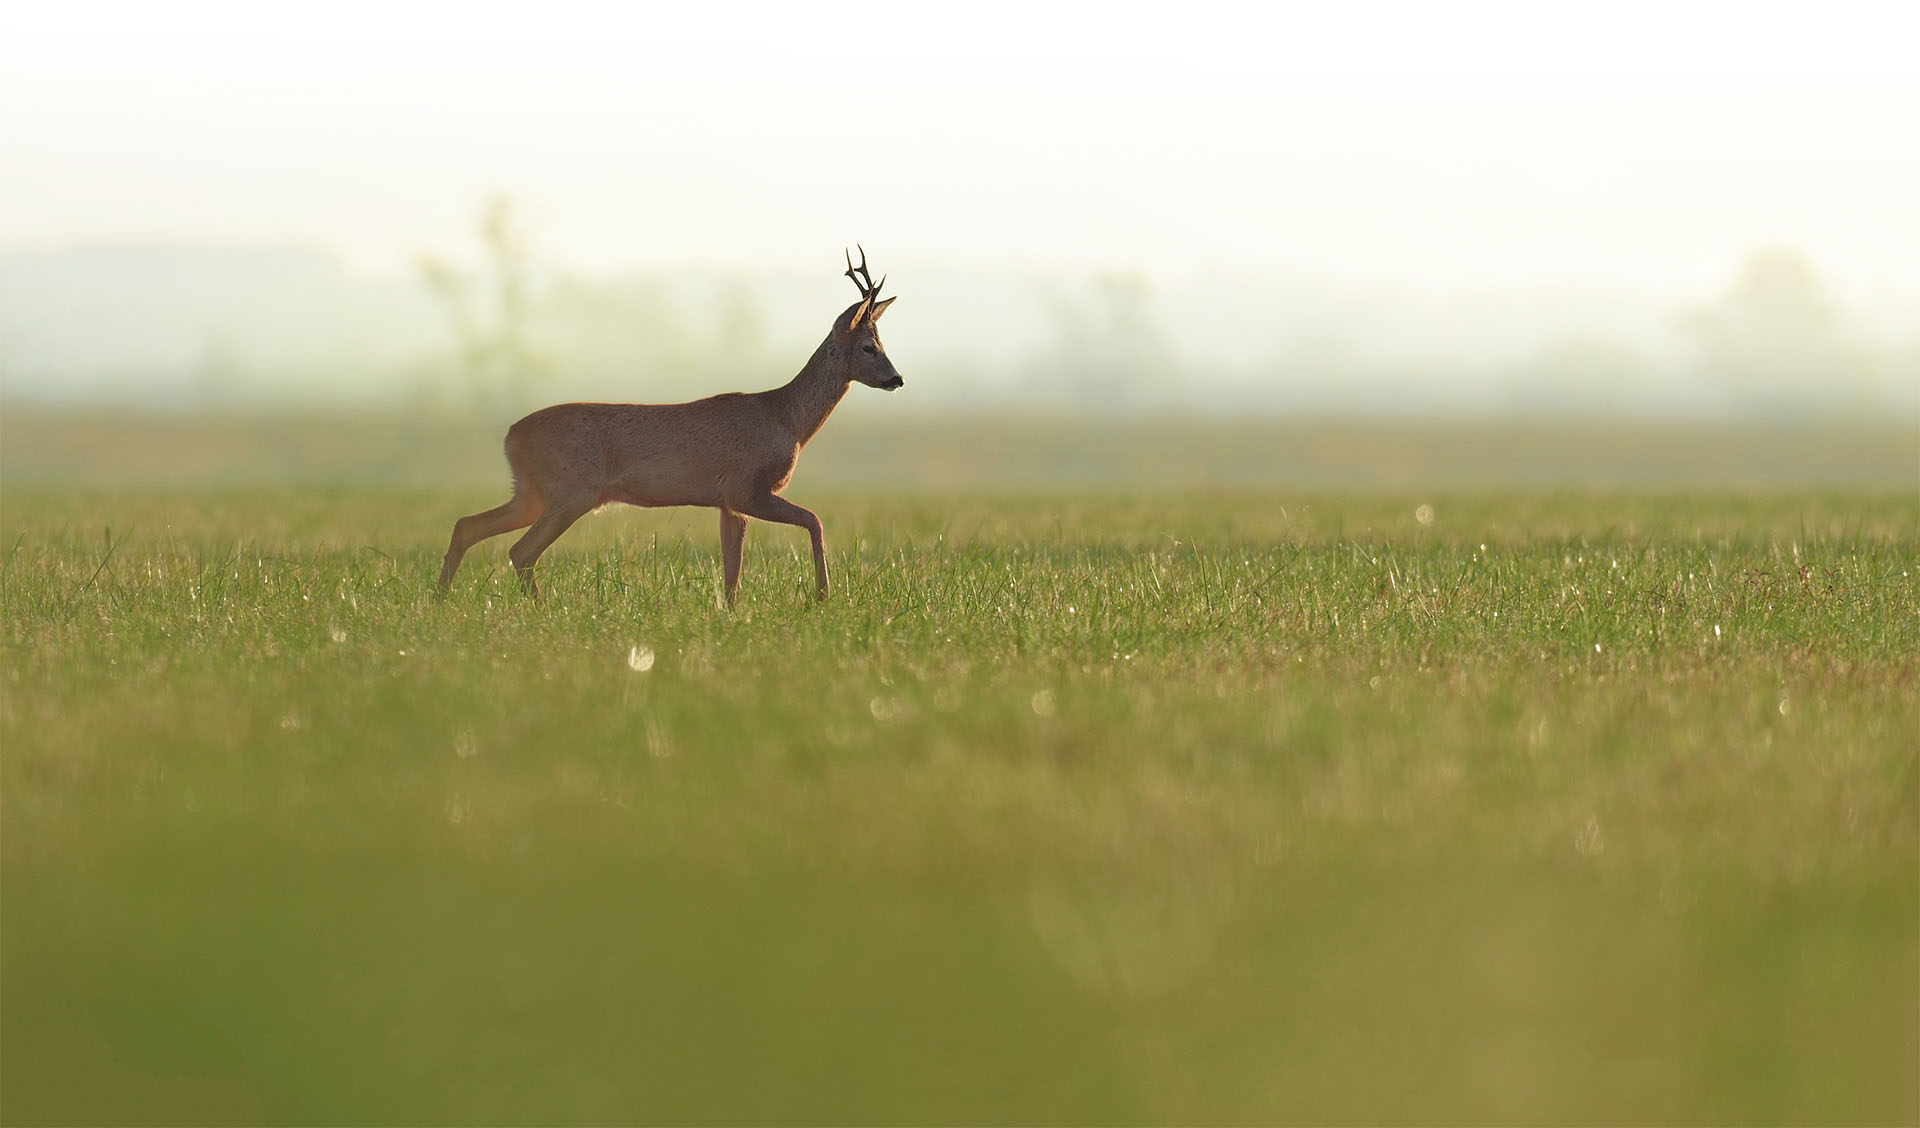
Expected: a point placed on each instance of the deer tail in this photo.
(524, 488)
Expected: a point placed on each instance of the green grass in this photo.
(1255, 807)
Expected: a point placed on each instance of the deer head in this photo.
(866, 357)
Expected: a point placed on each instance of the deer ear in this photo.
(860, 311)
(880, 309)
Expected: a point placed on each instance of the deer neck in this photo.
(812, 395)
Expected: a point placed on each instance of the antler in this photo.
(867, 289)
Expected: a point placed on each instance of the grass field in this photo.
(1261, 806)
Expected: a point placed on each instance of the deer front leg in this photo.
(784, 512)
(733, 543)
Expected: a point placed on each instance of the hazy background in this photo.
(1698, 212)
(1388, 595)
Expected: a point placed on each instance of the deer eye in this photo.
(868, 349)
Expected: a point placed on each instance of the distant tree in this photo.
(217, 376)
(1578, 374)
(627, 338)
(616, 338)
(740, 329)
(1109, 348)
(490, 308)
(1775, 340)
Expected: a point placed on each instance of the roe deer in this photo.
(733, 452)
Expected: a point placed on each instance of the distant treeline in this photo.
(262, 327)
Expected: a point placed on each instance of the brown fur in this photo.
(733, 452)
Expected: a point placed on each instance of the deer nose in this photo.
(895, 384)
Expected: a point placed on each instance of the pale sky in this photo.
(1648, 146)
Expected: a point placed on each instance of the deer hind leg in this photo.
(546, 529)
(733, 544)
(518, 513)
(784, 512)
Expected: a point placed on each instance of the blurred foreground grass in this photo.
(1224, 806)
